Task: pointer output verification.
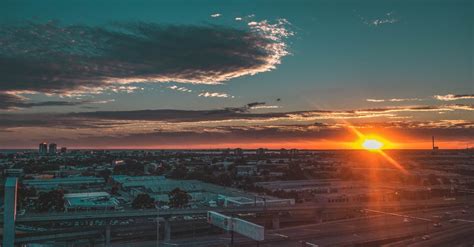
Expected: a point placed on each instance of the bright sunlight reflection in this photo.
(372, 144)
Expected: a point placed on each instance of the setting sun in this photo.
(372, 144)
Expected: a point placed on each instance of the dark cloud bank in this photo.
(52, 58)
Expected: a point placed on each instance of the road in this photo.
(50, 217)
(373, 229)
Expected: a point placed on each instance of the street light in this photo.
(157, 206)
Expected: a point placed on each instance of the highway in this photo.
(372, 227)
(94, 215)
(376, 229)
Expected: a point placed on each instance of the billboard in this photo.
(219, 220)
(246, 228)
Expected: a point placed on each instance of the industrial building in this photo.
(69, 183)
(90, 201)
(202, 193)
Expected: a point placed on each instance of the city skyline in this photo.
(299, 74)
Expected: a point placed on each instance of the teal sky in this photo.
(342, 56)
(336, 61)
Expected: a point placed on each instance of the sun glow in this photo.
(372, 144)
(376, 144)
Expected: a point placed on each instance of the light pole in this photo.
(157, 206)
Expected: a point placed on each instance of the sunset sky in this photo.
(217, 74)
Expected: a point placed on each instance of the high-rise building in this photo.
(53, 148)
(433, 144)
(43, 148)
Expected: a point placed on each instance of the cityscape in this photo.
(236, 123)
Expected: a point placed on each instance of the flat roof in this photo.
(67, 180)
(87, 194)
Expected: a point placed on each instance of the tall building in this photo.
(43, 148)
(433, 143)
(53, 148)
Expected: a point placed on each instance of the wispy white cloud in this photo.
(181, 89)
(102, 101)
(375, 100)
(451, 97)
(265, 107)
(215, 95)
(388, 18)
(394, 100)
(215, 15)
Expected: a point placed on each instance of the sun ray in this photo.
(374, 144)
(392, 161)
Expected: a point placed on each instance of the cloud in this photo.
(263, 135)
(181, 89)
(223, 125)
(77, 59)
(375, 100)
(215, 95)
(243, 115)
(10, 101)
(255, 104)
(393, 100)
(266, 107)
(388, 18)
(451, 97)
(216, 15)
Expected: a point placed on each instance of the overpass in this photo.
(312, 207)
(275, 212)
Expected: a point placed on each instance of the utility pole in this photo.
(231, 230)
(157, 206)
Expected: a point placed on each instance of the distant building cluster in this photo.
(52, 150)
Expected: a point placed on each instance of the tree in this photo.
(50, 201)
(143, 201)
(224, 179)
(23, 194)
(114, 190)
(178, 198)
(179, 172)
(105, 174)
(130, 168)
(295, 172)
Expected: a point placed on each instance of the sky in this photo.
(218, 74)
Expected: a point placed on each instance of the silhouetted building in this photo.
(63, 150)
(43, 148)
(53, 148)
(433, 143)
